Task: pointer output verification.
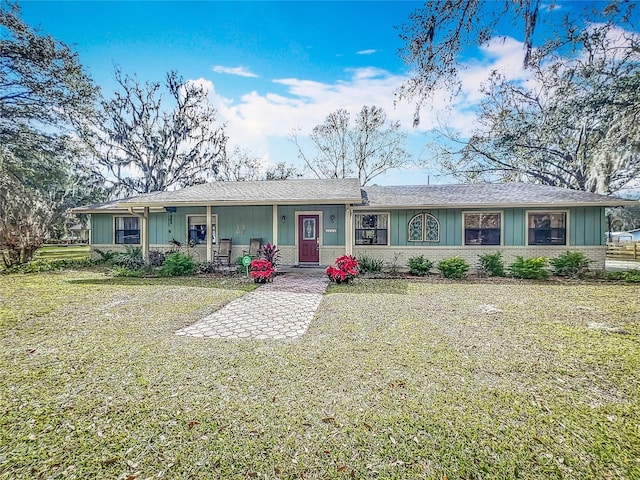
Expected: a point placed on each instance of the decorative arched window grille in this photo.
(431, 228)
(424, 227)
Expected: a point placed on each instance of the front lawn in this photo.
(64, 252)
(394, 379)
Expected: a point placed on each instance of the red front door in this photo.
(308, 235)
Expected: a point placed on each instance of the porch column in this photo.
(144, 230)
(145, 233)
(208, 235)
(274, 219)
(348, 230)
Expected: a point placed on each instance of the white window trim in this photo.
(115, 227)
(360, 212)
(214, 218)
(424, 228)
(488, 212)
(567, 230)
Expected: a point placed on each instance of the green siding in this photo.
(587, 226)
(101, 228)
(242, 223)
(450, 227)
(160, 228)
(514, 226)
(286, 229)
(165, 226)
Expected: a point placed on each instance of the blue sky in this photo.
(270, 67)
(315, 40)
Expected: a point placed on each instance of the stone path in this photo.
(282, 309)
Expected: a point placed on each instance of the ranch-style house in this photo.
(315, 221)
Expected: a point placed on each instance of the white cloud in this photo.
(306, 103)
(504, 55)
(369, 51)
(259, 120)
(616, 38)
(239, 71)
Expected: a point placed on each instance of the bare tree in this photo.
(25, 218)
(147, 145)
(437, 35)
(366, 148)
(239, 166)
(576, 124)
(282, 171)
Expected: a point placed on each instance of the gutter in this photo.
(495, 205)
(139, 215)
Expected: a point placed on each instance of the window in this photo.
(547, 228)
(371, 229)
(197, 229)
(127, 230)
(424, 227)
(482, 228)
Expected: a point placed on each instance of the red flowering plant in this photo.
(346, 269)
(262, 270)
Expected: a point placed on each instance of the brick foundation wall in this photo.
(288, 253)
(470, 254)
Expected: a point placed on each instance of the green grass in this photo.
(53, 253)
(70, 252)
(394, 379)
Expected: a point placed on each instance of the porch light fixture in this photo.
(333, 218)
(284, 218)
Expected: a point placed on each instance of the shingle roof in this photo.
(324, 191)
(257, 192)
(107, 207)
(342, 191)
(482, 195)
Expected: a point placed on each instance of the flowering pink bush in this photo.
(262, 270)
(346, 268)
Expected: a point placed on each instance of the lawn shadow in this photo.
(227, 283)
(371, 285)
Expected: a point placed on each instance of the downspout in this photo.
(144, 231)
(208, 237)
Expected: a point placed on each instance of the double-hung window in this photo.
(547, 228)
(127, 230)
(482, 228)
(197, 229)
(371, 229)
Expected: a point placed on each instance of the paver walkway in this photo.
(282, 309)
